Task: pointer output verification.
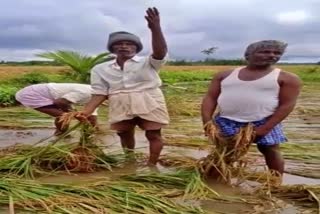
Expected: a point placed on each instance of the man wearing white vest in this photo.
(258, 94)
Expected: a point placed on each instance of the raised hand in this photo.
(159, 45)
(153, 18)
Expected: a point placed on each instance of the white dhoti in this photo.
(149, 105)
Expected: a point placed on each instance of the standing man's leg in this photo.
(125, 130)
(127, 140)
(153, 134)
(156, 144)
(273, 157)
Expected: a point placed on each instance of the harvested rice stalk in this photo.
(184, 162)
(84, 156)
(28, 161)
(227, 154)
(187, 184)
(188, 180)
(86, 129)
(66, 118)
(81, 158)
(99, 197)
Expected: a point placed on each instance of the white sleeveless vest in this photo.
(248, 101)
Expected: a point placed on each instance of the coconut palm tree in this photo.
(79, 63)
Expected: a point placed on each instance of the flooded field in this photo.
(184, 137)
(112, 143)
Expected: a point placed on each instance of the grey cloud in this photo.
(190, 26)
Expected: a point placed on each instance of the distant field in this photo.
(306, 72)
(291, 68)
(9, 72)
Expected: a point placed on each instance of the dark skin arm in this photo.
(63, 104)
(89, 108)
(159, 45)
(59, 107)
(290, 86)
(209, 102)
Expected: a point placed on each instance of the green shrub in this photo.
(7, 96)
(32, 78)
(171, 77)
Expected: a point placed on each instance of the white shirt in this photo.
(248, 101)
(138, 74)
(73, 92)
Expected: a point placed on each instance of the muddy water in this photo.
(289, 179)
(112, 143)
(29, 136)
(111, 140)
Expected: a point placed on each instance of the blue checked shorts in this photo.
(230, 128)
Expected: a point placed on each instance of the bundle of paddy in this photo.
(125, 195)
(83, 156)
(29, 161)
(228, 155)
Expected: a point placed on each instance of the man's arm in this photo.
(290, 86)
(159, 45)
(95, 101)
(63, 104)
(209, 102)
(99, 92)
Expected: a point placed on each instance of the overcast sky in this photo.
(34, 26)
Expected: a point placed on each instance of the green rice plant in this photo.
(170, 77)
(307, 152)
(99, 197)
(190, 181)
(31, 78)
(7, 96)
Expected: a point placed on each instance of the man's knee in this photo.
(126, 133)
(153, 135)
(265, 149)
(271, 153)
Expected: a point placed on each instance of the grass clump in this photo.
(84, 156)
(129, 194)
(7, 96)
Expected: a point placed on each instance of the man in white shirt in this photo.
(55, 99)
(131, 84)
